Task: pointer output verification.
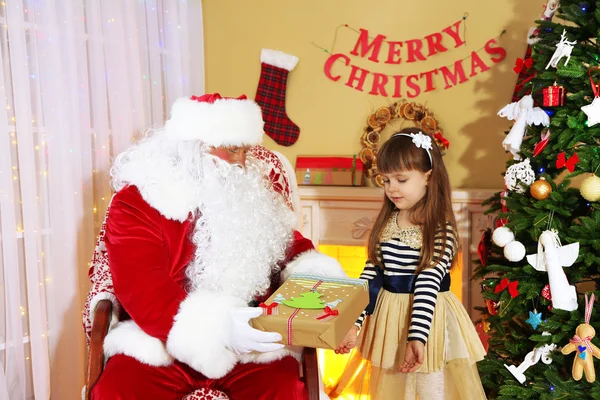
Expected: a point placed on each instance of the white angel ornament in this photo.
(553, 258)
(563, 49)
(525, 114)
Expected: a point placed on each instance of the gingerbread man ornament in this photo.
(582, 344)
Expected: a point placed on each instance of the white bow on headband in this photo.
(421, 141)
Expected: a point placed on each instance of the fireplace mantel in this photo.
(333, 215)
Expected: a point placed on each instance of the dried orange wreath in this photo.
(420, 115)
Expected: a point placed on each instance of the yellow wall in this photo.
(331, 116)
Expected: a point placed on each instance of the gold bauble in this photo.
(590, 188)
(540, 189)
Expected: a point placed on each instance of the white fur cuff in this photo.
(129, 339)
(197, 335)
(314, 263)
(278, 59)
(270, 356)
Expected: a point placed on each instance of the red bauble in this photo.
(485, 246)
(541, 145)
(546, 293)
(502, 221)
(492, 306)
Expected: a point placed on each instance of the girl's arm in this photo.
(428, 284)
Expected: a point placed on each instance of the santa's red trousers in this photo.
(125, 378)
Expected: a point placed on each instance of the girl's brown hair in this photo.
(434, 210)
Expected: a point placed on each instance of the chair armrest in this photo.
(102, 317)
(310, 372)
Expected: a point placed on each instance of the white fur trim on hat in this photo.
(278, 59)
(314, 263)
(226, 122)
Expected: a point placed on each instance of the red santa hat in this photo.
(217, 121)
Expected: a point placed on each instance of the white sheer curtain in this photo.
(79, 80)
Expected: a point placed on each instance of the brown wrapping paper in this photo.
(348, 297)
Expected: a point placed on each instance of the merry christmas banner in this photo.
(379, 50)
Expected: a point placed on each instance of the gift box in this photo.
(554, 96)
(314, 311)
(329, 171)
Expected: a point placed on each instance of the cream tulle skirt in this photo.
(451, 353)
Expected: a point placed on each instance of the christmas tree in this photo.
(544, 256)
(309, 300)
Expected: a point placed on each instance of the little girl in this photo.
(416, 338)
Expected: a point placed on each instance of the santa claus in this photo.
(194, 239)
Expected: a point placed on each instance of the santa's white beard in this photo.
(242, 231)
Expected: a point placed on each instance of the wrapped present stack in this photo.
(314, 311)
(329, 171)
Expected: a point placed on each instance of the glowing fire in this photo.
(353, 259)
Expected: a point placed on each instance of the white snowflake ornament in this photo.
(519, 176)
(592, 111)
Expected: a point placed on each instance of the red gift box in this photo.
(329, 170)
(554, 96)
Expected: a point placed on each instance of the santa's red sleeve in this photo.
(139, 264)
(166, 321)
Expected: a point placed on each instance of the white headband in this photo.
(421, 141)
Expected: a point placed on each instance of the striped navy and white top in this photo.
(400, 251)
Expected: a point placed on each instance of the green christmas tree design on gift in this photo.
(307, 300)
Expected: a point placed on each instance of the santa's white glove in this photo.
(242, 338)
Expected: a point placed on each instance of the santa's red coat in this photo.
(148, 255)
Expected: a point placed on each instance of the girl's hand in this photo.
(413, 358)
(349, 341)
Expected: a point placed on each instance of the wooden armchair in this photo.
(281, 179)
(310, 371)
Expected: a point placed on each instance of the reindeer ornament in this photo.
(563, 49)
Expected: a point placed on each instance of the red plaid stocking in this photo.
(270, 95)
